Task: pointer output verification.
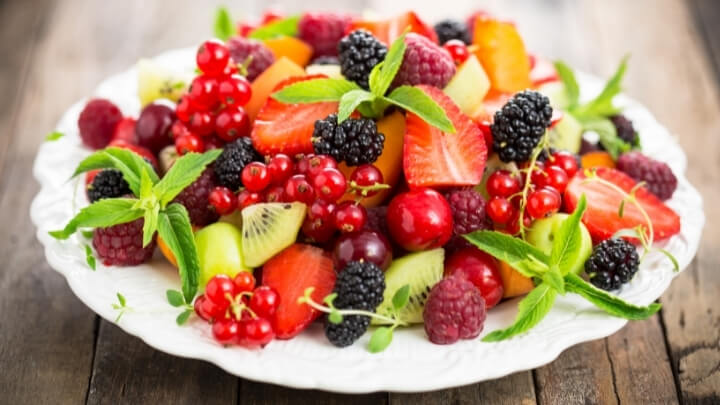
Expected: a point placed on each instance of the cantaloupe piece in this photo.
(597, 159)
(514, 283)
(292, 48)
(502, 53)
(264, 84)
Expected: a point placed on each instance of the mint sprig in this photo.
(285, 27)
(54, 136)
(177, 300)
(129, 163)
(374, 102)
(223, 27)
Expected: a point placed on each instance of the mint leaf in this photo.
(567, 77)
(531, 310)
(280, 28)
(151, 223)
(89, 258)
(335, 316)
(183, 317)
(54, 136)
(121, 300)
(129, 163)
(382, 79)
(88, 234)
(401, 297)
(602, 104)
(175, 298)
(315, 90)
(380, 339)
(608, 135)
(568, 239)
(183, 172)
(609, 303)
(513, 251)
(554, 279)
(146, 185)
(223, 28)
(174, 227)
(101, 214)
(350, 101)
(417, 102)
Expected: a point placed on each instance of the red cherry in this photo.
(223, 200)
(500, 210)
(226, 331)
(202, 123)
(364, 245)
(188, 144)
(244, 281)
(247, 198)
(244, 29)
(420, 219)
(564, 160)
(218, 289)
(203, 93)
(255, 176)
(184, 110)
(212, 57)
(271, 15)
(350, 217)
(556, 178)
(297, 188)
(264, 301)
(502, 183)
(232, 123)
(275, 194)
(234, 90)
(255, 332)
(280, 168)
(480, 269)
(543, 202)
(317, 163)
(458, 50)
(366, 176)
(329, 184)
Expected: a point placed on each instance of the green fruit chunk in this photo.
(555, 91)
(567, 134)
(542, 236)
(469, 86)
(269, 228)
(220, 251)
(331, 71)
(155, 82)
(421, 271)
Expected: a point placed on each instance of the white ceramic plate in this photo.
(411, 363)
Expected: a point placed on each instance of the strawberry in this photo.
(386, 31)
(125, 130)
(432, 157)
(603, 203)
(290, 272)
(139, 150)
(288, 128)
(542, 71)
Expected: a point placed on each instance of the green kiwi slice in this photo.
(268, 228)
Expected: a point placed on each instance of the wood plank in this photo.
(707, 14)
(513, 389)
(255, 393)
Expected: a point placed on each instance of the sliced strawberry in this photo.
(288, 128)
(386, 31)
(542, 71)
(603, 203)
(290, 273)
(432, 157)
(125, 130)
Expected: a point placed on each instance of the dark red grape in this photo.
(363, 245)
(153, 127)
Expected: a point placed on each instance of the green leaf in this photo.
(389, 67)
(568, 239)
(280, 28)
(676, 265)
(89, 258)
(328, 300)
(375, 76)
(223, 28)
(417, 102)
(609, 303)
(175, 298)
(350, 101)
(380, 339)
(554, 279)
(121, 300)
(401, 297)
(174, 227)
(183, 317)
(129, 163)
(54, 136)
(602, 104)
(101, 214)
(531, 310)
(183, 172)
(313, 91)
(513, 251)
(567, 76)
(335, 316)
(608, 135)
(146, 185)
(87, 234)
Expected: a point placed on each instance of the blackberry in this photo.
(356, 141)
(468, 209)
(520, 124)
(359, 52)
(613, 262)
(625, 129)
(229, 165)
(658, 176)
(360, 285)
(452, 29)
(107, 184)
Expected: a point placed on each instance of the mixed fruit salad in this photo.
(372, 175)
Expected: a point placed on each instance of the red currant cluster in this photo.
(212, 112)
(240, 313)
(542, 198)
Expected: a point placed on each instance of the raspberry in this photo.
(97, 122)
(231, 162)
(121, 245)
(452, 29)
(454, 310)
(424, 63)
(107, 184)
(242, 48)
(323, 31)
(658, 176)
(377, 220)
(468, 209)
(625, 129)
(613, 262)
(356, 141)
(360, 285)
(359, 52)
(520, 124)
(195, 199)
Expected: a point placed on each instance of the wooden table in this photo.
(55, 350)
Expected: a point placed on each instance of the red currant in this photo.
(226, 331)
(184, 110)
(223, 200)
(247, 198)
(317, 163)
(199, 310)
(275, 194)
(502, 183)
(220, 290)
(234, 90)
(232, 123)
(264, 301)
(203, 93)
(542, 203)
(458, 50)
(280, 168)
(255, 332)
(179, 129)
(303, 164)
(538, 174)
(329, 184)
(500, 210)
(212, 57)
(297, 188)
(244, 29)
(366, 176)
(189, 143)
(212, 310)
(271, 15)
(350, 217)
(244, 281)
(255, 176)
(202, 123)
(564, 160)
(213, 142)
(318, 231)
(556, 178)
(322, 210)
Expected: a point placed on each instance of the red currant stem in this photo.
(237, 306)
(526, 188)
(307, 299)
(243, 67)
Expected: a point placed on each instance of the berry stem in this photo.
(307, 299)
(528, 183)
